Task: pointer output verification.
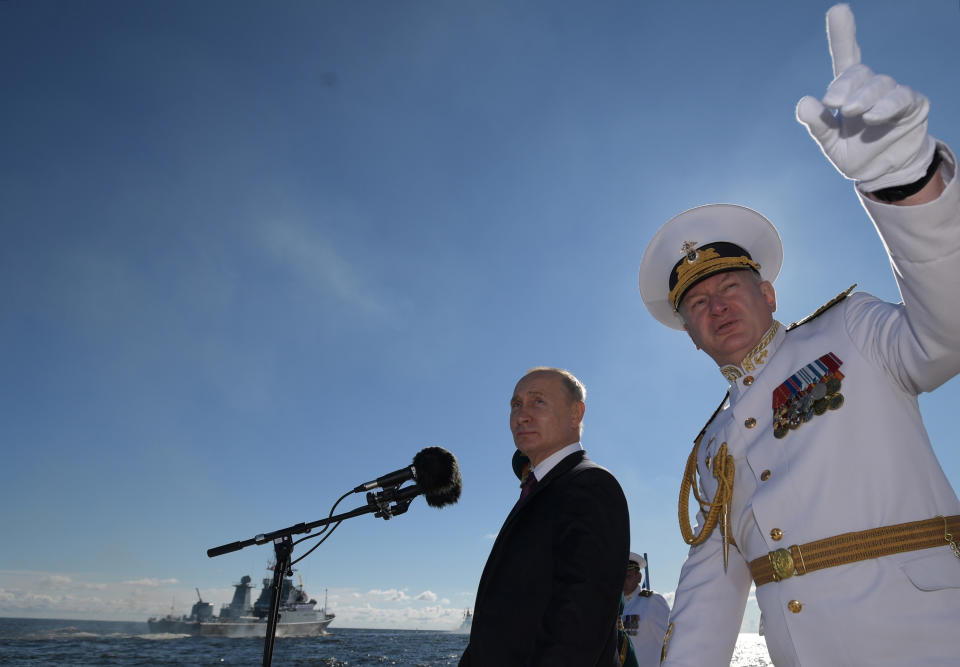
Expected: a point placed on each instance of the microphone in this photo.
(394, 478)
(436, 473)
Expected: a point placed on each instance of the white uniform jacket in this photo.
(864, 462)
(645, 622)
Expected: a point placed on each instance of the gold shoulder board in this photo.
(822, 309)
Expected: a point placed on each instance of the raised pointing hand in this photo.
(871, 128)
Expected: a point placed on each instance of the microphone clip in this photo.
(400, 497)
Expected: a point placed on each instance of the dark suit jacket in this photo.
(550, 591)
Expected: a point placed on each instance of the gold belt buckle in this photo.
(782, 562)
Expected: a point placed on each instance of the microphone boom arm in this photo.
(377, 503)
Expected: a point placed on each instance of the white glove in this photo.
(878, 135)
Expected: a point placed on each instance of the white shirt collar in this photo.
(541, 469)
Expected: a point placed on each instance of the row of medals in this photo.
(805, 405)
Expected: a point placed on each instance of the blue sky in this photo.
(254, 254)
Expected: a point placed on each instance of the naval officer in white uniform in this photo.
(815, 478)
(644, 614)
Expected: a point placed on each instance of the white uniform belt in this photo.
(799, 559)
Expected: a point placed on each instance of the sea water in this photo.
(56, 642)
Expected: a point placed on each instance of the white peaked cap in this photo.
(704, 225)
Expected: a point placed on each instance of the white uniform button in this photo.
(794, 606)
(776, 534)
(750, 422)
(765, 475)
(748, 380)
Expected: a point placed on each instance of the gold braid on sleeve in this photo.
(723, 469)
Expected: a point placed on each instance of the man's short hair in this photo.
(574, 387)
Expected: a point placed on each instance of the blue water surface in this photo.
(62, 642)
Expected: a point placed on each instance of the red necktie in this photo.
(528, 485)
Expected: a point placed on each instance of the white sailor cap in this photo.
(638, 559)
(699, 243)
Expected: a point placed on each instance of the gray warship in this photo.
(466, 624)
(299, 616)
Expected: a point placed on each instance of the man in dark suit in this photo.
(550, 591)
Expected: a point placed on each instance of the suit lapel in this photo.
(564, 466)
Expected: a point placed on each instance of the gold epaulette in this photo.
(824, 308)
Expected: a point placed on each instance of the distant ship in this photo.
(466, 624)
(298, 614)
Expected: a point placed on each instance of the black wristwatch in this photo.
(901, 192)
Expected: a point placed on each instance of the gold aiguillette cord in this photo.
(723, 470)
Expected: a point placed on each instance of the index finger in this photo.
(842, 36)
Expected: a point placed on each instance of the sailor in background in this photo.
(815, 477)
(644, 614)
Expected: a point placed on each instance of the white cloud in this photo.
(393, 608)
(391, 594)
(430, 617)
(47, 595)
(151, 582)
(304, 251)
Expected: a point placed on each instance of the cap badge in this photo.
(689, 249)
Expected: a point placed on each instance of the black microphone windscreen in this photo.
(438, 475)
(444, 497)
(436, 468)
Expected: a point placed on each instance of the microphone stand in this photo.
(377, 503)
(283, 549)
